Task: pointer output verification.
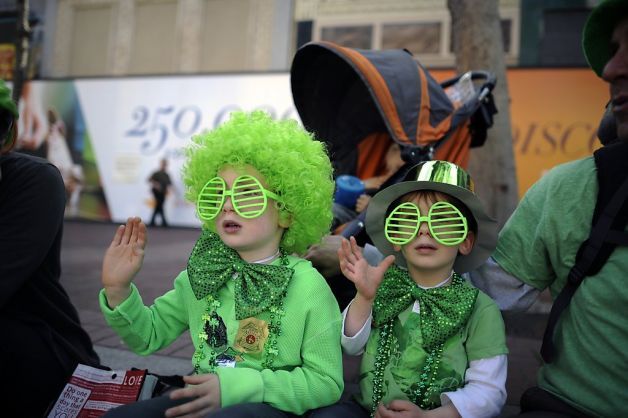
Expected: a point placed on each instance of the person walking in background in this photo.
(42, 338)
(160, 185)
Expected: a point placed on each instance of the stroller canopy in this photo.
(345, 95)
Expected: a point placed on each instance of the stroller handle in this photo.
(355, 226)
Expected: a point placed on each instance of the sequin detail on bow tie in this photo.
(257, 286)
(444, 311)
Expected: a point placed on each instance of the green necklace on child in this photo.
(258, 288)
(444, 311)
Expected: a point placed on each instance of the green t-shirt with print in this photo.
(482, 337)
(538, 245)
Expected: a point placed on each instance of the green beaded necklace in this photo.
(258, 287)
(210, 322)
(444, 311)
(209, 340)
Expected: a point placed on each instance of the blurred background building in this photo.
(120, 84)
(77, 38)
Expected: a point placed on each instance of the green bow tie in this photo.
(257, 286)
(444, 310)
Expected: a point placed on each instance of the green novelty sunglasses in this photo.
(248, 197)
(446, 224)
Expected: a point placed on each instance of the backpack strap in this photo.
(609, 219)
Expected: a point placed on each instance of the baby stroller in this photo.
(359, 102)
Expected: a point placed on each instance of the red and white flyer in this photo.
(91, 392)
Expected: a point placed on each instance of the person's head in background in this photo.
(8, 119)
(605, 44)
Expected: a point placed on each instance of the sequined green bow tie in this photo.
(444, 310)
(257, 286)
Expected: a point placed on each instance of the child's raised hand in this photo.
(205, 388)
(355, 268)
(123, 259)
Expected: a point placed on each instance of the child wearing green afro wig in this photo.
(264, 323)
(295, 167)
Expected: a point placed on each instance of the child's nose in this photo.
(228, 205)
(424, 229)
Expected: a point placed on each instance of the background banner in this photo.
(108, 135)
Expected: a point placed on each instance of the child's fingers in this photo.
(345, 250)
(127, 231)
(383, 266)
(141, 234)
(355, 249)
(187, 408)
(349, 251)
(387, 262)
(383, 412)
(135, 230)
(347, 267)
(117, 238)
(180, 393)
(138, 233)
(197, 379)
(191, 391)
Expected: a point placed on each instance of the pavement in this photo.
(84, 244)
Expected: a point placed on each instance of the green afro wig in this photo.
(294, 165)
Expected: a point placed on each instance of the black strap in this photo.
(594, 252)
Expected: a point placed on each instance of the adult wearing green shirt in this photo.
(538, 245)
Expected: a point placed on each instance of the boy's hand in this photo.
(399, 409)
(406, 409)
(355, 268)
(205, 388)
(123, 259)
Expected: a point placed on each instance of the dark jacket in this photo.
(41, 339)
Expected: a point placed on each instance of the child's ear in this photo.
(467, 245)
(285, 220)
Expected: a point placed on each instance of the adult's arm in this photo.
(537, 245)
(510, 293)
